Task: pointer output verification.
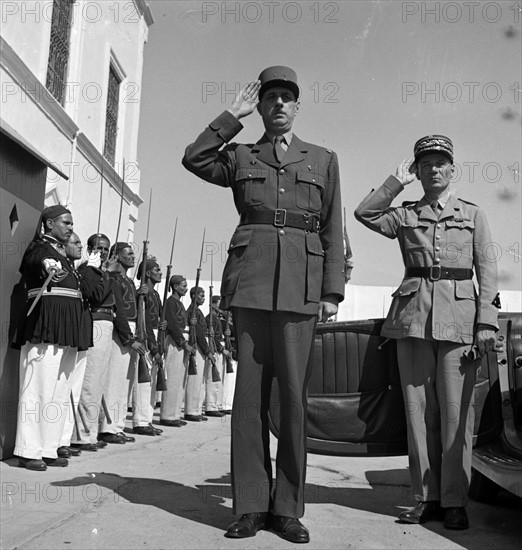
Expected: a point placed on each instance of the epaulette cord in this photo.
(467, 202)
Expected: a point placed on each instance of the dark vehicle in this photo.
(355, 404)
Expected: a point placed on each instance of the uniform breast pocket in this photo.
(309, 189)
(414, 234)
(459, 234)
(251, 185)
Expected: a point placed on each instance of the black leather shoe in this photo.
(195, 418)
(101, 444)
(63, 452)
(422, 512)
(173, 423)
(227, 411)
(91, 447)
(32, 464)
(157, 430)
(56, 462)
(74, 451)
(144, 430)
(247, 525)
(290, 529)
(126, 438)
(456, 518)
(111, 438)
(219, 414)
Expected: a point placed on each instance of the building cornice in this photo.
(89, 151)
(144, 10)
(35, 91)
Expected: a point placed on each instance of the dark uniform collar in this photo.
(57, 245)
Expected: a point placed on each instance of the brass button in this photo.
(438, 226)
(281, 232)
(437, 237)
(437, 260)
(437, 248)
(282, 171)
(281, 190)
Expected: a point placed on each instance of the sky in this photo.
(374, 78)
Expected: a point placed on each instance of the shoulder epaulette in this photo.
(467, 202)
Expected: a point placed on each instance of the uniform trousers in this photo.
(95, 382)
(76, 382)
(176, 365)
(45, 373)
(270, 344)
(438, 385)
(229, 385)
(118, 384)
(195, 387)
(214, 390)
(142, 394)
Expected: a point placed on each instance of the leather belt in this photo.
(107, 310)
(281, 218)
(56, 291)
(436, 272)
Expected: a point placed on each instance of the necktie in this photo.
(436, 208)
(279, 152)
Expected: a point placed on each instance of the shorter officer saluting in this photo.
(438, 318)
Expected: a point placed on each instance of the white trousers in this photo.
(45, 386)
(76, 381)
(195, 387)
(214, 390)
(121, 364)
(229, 386)
(94, 383)
(176, 365)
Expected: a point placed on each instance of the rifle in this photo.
(161, 383)
(211, 342)
(228, 344)
(348, 264)
(193, 320)
(121, 208)
(143, 361)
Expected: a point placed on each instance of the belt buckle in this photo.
(280, 217)
(435, 269)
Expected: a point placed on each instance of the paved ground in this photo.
(173, 491)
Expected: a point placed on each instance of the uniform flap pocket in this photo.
(311, 178)
(465, 290)
(250, 174)
(413, 223)
(240, 238)
(314, 245)
(460, 224)
(408, 286)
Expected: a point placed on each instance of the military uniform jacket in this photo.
(442, 309)
(268, 267)
(176, 317)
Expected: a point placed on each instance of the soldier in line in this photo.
(102, 305)
(50, 338)
(144, 394)
(125, 347)
(285, 270)
(177, 354)
(214, 390)
(73, 251)
(195, 389)
(441, 325)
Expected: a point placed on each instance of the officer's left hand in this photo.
(327, 308)
(485, 339)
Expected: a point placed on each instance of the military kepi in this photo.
(278, 76)
(433, 144)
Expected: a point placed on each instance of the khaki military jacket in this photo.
(442, 309)
(268, 267)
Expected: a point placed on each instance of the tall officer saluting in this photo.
(284, 270)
